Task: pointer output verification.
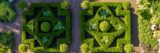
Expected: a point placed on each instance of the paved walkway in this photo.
(75, 7)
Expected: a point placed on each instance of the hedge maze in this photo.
(105, 27)
(45, 26)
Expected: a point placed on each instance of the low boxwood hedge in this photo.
(46, 41)
(104, 40)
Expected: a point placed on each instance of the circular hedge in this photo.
(128, 48)
(23, 48)
(6, 12)
(65, 5)
(45, 26)
(84, 48)
(104, 26)
(63, 47)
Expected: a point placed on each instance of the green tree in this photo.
(84, 48)
(128, 48)
(85, 4)
(6, 12)
(23, 48)
(65, 5)
(104, 26)
(63, 48)
(145, 14)
(22, 4)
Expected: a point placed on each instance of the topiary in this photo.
(63, 48)
(85, 4)
(65, 5)
(104, 26)
(23, 48)
(84, 48)
(45, 26)
(6, 12)
(128, 48)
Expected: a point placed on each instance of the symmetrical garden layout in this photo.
(105, 27)
(45, 27)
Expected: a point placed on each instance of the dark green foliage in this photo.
(6, 42)
(22, 5)
(145, 14)
(7, 14)
(104, 13)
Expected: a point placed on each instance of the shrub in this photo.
(45, 26)
(65, 5)
(126, 5)
(63, 48)
(128, 48)
(58, 26)
(84, 48)
(22, 5)
(85, 4)
(104, 26)
(6, 12)
(145, 14)
(104, 13)
(23, 48)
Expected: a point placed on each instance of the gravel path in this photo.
(75, 8)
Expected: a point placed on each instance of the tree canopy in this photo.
(6, 12)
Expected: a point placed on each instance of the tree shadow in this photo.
(134, 28)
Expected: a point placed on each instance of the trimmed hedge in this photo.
(105, 39)
(45, 41)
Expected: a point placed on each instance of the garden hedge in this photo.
(50, 40)
(118, 34)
